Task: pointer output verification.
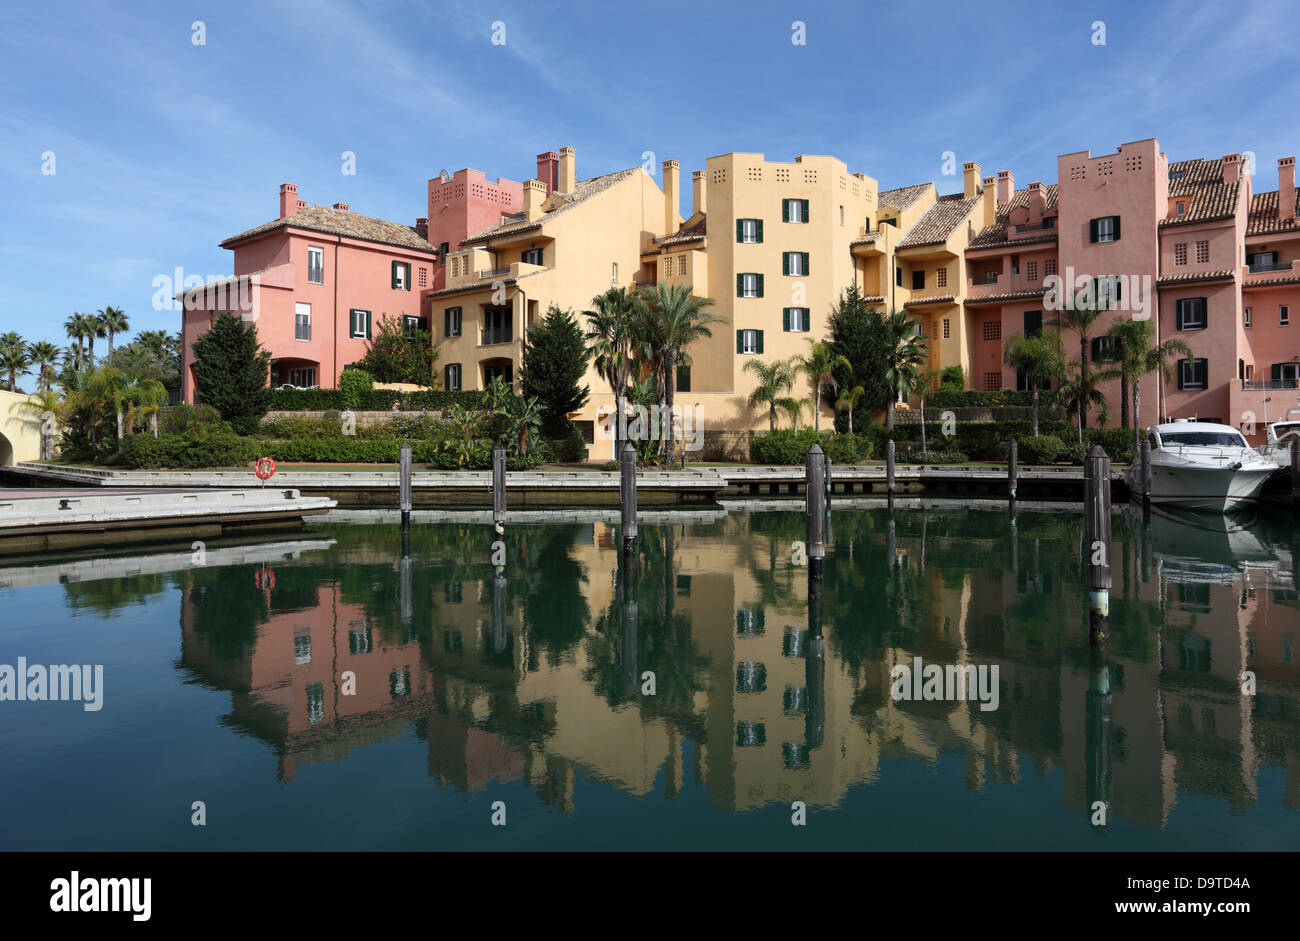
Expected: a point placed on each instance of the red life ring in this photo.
(264, 578)
(265, 468)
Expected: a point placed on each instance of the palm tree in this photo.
(611, 332)
(1080, 319)
(78, 327)
(774, 378)
(114, 321)
(14, 357)
(849, 401)
(1040, 359)
(1079, 392)
(672, 319)
(1137, 358)
(144, 397)
(110, 386)
(819, 366)
(96, 327)
(905, 353)
(44, 355)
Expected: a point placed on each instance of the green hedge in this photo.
(372, 400)
(209, 448)
(948, 396)
(787, 446)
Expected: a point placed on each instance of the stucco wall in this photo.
(20, 430)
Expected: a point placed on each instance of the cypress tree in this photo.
(857, 334)
(231, 369)
(554, 364)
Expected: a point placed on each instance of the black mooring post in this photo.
(499, 488)
(1145, 470)
(1295, 474)
(1013, 470)
(889, 467)
(815, 506)
(1096, 542)
(627, 495)
(628, 640)
(404, 485)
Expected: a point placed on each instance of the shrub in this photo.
(787, 446)
(917, 456)
(1117, 442)
(571, 448)
(299, 400)
(231, 368)
(201, 446)
(1075, 453)
(1045, 449)
(356, 385)
(180, 417)
(610, 466)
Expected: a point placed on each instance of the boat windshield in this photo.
(1286, 428)
(1203, 439)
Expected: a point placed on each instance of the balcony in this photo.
(988, 277)
(494, 336)
(492, 273)
(1270, 271)
(1268, 385)
(1036, 227)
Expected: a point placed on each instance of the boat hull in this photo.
(1206, 488)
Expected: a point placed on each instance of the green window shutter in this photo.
(785, 210)
(1203, 307)
(740, 285)
(785, 263)
(1178, 325)
(785, 319)
(422, 323)
(759, 340)
(446, 376)
(759, 226)
(395, 264)
(805, 209)
(1203, 373)
(1092, 229)
(446, 322)
(807, 319)
(368, 334)
(740, 341)
(805, 263)
(740, 230)
(408, 276)
(760, 285)
(1116, 228)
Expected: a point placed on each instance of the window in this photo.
(315, 703)
(301, 650)
(993, 329)
(1103, 350)
(1033, 323)
(1190, 314)
(947, 328)
(1202, 252)
(1104, 229)
(503, 371)
(749, 231)
(918, 280)
(412, 324)
(683, 378)
(1180, 208)
(1108, 291)
(681, 263)
(749, 285)
(424, 277)
(304, 377)
(794, 210)
(359, 324)
(1180, 253)
(941, 277)
(992, 381)
(443, 249)
(794, 264)
(841, 216)
(1262, 261)
(1283, 315)
(401, 276)
(451, 322)
(898, 277)
(750, 622)
(1049, 266)
(451, 376)
(1245, 316)
(749, 341)
(666, 268)
(532, 256)
(315, 265)
(796, 319)
(884, 221)
(1031, 270)
(1192, 374)
(613, 272)
(1015, 264)
(1286, 375)
(751, 676)
(301, 322)
(497, 322)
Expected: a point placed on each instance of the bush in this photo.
(180, 417)
(1075, 453)
(787, 446)
(201, 446)
(356, 385)
(304, 400)
(610, 466)
(375, 400)
(571, 448)
(950, 396)
(1117, 442)
(917, 456)
(1045, 449)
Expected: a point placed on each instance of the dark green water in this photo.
(527, 689)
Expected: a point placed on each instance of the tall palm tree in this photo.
(78, 327)
(44, 355)
(905, 354)
(96, 327)
(114, 321)
(1081, 318)
(673, 318)
(1079, 392)
(611, 332)
(1137, 358)
(819, 366)
(111, 386)
(143, 397)
(14, 357)
(1040, 359)
(848, 401)
(775, 378)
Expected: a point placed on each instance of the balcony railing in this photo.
(1045, 224)
(493, 272)
(1258, 266)
(1268, 385)
(990, 277)
(495, 336)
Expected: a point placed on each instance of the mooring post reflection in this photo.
(627, 622)
(815, 660)
(1097, 541)
(1097, 737)
(499, 601)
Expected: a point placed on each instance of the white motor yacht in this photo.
(1201, 465)
(1279, 435)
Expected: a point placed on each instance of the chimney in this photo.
(534, 196)
(990, 194)
(341, 206)
(289, 202)
(672, 195)
(422, 228)
(568, 172)
(697, 191)
(1037, 202)
(1006, 186)
(1231, 168)
(302, 204)
(1286, 188)
(972, 186)
(548, 170)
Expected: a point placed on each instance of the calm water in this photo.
(472, 689)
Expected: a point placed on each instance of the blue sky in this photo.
(163, 148)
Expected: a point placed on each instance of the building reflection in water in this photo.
(534, 672)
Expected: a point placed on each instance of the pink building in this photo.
(316, 281)
(467, 202)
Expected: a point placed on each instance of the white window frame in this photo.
(749, 231)
(401, 277)
(1189, 365)
(795, 211)
(1245, 315)
(453, 370)
(357, 326)
(410, 324)
(799, 325)
(613, 272)
(319, 254)
(1284, 315)
(1105, 229)
(748, 285)
(796, 265)
(301, 309)
(749, 342)
(455, 319)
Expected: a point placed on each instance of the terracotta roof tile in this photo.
(1262, 217)
(343, 222)
(874, 298)
(693, 233)
(1008, 296)
(583, 191)
(904, 196)
(939, 221)
(1193, 277)
(995, 235)
(1201, 182)
(931, 301)
(1271, 282)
